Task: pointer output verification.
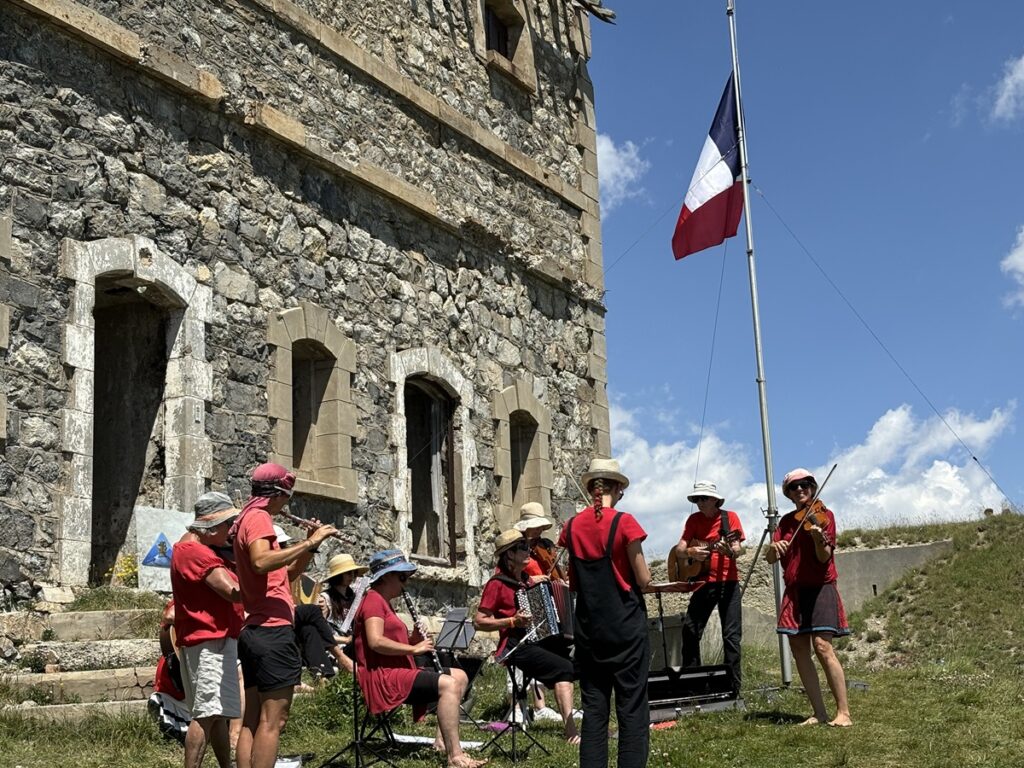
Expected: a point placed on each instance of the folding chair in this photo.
(372, 735)
(516, 726)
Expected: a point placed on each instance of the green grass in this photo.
(943, 667)
(116, 599)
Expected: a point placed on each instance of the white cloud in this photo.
(1013, 265)
(620, 169)
(1009, 92)
(907, 470)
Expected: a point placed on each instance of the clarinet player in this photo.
(386, 651)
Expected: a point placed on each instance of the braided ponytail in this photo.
(597, 493)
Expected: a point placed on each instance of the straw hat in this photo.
(506, 540)
(606, 469)
(705, 488)
(340, 564)
(797, 474)
(532, 515)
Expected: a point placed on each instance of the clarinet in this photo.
(309, 525)
(422, 627)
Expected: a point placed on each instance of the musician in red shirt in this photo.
(271, 663)
(812, 612)
(385, 651)
(713, 536)
(547, 660)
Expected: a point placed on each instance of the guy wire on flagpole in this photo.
(773, 510)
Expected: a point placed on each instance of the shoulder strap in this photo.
(568, 537)
(723, 530)
(507, 580)
(611, 532)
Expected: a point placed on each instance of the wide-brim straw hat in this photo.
(388, 561)
(605, 469)
(705, 488)
(532, 515)
(797, 474)
(340, 564)
(507, 539)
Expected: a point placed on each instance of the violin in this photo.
(545, 553)
(810, 516)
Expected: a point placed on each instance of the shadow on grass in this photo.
(777, 718)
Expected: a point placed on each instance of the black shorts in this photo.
(270, 658)
(426, 687)
(547, 662)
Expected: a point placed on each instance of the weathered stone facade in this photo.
(308, 231)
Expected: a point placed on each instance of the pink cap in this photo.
(797, 474)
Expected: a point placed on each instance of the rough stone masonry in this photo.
(357, 238)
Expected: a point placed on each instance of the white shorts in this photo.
(209, 672)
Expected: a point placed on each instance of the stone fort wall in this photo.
(365, 191)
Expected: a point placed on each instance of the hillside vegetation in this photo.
(936, 667)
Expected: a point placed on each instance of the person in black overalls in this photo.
(609, 574)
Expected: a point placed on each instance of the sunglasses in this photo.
(701, 499)
(522, 546)
(802, 485)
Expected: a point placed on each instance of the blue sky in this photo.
(889, 137)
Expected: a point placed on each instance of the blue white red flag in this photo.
(714, 202)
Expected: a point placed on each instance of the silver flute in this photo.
(422, 627)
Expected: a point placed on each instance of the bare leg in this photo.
(235, 726)
(836, 678)
(195, 743)
(250, 722)
(450, 689)
(801, 647)
(274, 706)
(563, 695)
(219, 740)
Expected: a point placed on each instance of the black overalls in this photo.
(612, 652)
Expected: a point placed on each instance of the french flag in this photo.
(714, 202)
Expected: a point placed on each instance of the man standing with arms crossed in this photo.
(207, 621)
(271, 663)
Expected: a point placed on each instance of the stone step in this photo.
(75, 712)
(90, 654)
(80, 625)
(86, 686)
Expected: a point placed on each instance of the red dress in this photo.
(386, 681)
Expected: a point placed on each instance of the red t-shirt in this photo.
(800, 565)
(590, 537)
(267, 597)
(164, 683)
(386, 680)
(532, 568)
(499, 600)
(707, 529)
(200, 614)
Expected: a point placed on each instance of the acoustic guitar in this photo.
(689, 568)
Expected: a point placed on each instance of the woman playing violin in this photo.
(812, 611)
(543, 554)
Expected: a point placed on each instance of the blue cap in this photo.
(387, 561)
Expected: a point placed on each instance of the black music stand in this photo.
(515, 726)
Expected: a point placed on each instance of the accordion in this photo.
(549, 605)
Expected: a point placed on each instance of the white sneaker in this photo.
(577, 714)
(546, 713)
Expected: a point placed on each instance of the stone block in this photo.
(76, 432)
(294, 320)
(82, 386)
(189, 377)
(281, 363)
(5, 236)
(336, 418)
(325, 490)
(83, 302)
(178, 72)
(279, 400)
(74, 562)
(5, 326)
(80, 480)
(79, 347)
(316, 322)
(189, 455)
(88, 25)
(153, 267)
(187, 338)
(276, 123)
(590, 226)
(593, 275)
(543, 446)
(602, 444)
(339, 385)
(185, 416)
(52, 593)
(181, 491)
(200, 304)
(333, 451)
(283, 441)
(503, 462)
(234, 284)
(3, 417)
(597, 368)
(342, 347)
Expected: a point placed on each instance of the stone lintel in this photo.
(349, 492)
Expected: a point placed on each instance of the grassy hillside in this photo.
(940, 654)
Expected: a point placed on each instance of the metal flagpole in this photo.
(773, 510)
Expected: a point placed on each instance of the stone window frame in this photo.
(336, 424)
(188, 385)
(431, 363)
(539, 474)
(520, 69)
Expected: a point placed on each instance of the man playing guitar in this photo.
(707, 550)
